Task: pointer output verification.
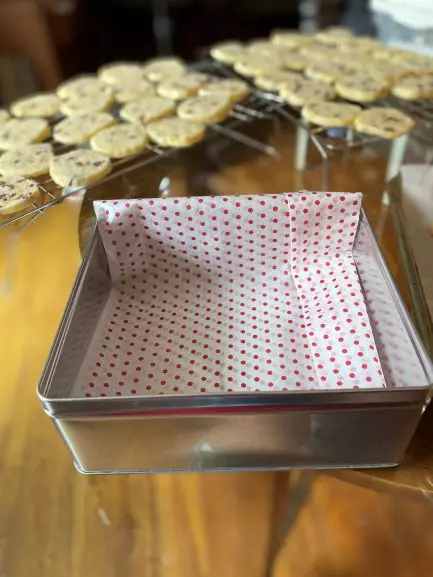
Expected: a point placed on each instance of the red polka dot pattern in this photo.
(244, 294)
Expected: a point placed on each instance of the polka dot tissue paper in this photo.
(231, 294)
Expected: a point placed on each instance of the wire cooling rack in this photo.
(255, 107)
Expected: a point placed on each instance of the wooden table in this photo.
(64, 521)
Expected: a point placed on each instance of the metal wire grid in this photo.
(253, 108)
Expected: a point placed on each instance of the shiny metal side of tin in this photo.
(301, 429)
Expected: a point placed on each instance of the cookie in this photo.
(206, 109)
(120, 72)
(227, 52)
(300, 92)
(45, 105)
(160, 69)
(384, 122)
(417, 64)
(182, 86)
(290, 38)
(98, 102)
(390, 70)
(333, 35)
(133, 90)
(319, 53)
(414, 87)
(81, 128)
(175, 132)
(16, 193)
(267, 48)
(120, 141)
(362, 44)
(257, 65)
(81, 86)
(330, 114)
(21, 131)
(148, 109)
(79, 168)
(30, 160)
(330, 71)
(362, 87)
(4, 116)
(234, 88)
(274, 79)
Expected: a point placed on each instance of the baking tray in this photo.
(254, 430)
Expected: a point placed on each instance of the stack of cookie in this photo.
(160, 101)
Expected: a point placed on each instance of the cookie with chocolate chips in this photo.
(363, 87)
(120, 141)
(384, 122)
(148, 109)
(175, 132)
(22, 131)
(207, 109)
(331, 114)
(414, 87)
(45, 105)
(81, 127)
(16, 193)
(31, 160)
(79, 168)
(301, 91)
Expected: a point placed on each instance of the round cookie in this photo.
(257, 65)
(290, 38)
(267, 48)
(205, 109)
(133, 90)
(182, 86)
(319, 53)
(81, 86)
(21, 131)
(16, 193)
(79, 168)
(416, 63)
(274, 79)
(119, 72)
(383, 122)
(175, 132)
(235, 88)
(98, 102)
(333, 35)
(148, 109)
(330, 114)
(301, 92)
(227, 52)
(329, 72)
(120, 141)
(357, 44)
(4, 116)
(390, 70)
(414, 87)
(160, 69)
(362, 87)
(45, 105)
(81, 128)
(31, 160)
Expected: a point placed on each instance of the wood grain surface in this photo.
(55, 522)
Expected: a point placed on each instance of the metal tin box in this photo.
(299, 429)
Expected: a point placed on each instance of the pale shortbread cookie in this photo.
(160, 69)
(175, 132)
(81, 128)
(227, 52)
(45, 105)
(333, 35)
(319, 53)
(414, 87)
(235, 88)
(290, 38)
(363, 87)
(274, 79)
(4, 116)
(330, 71)
(16, 193)
(120, 141)
(300, 92)
(21, 131)
(390, 70)
(119, 72)
(417, 64)
(360, 44)
(384, 122)
(30, 160)
(257, 65)
(267, 48)
(79, 168)
(181, 87)
(98, 102)
(148, 110)
(331, 114)
(129, 91)
(81, 86)
(206, 109)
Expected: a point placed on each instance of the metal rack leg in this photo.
(395, 160)
(301, 151)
